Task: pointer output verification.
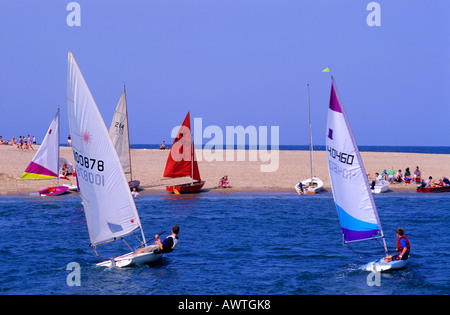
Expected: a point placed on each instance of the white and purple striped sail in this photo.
(354, 202)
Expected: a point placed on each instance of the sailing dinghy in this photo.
(380, 186)
(45, 163)
(351, 191)
(120, 136)
(181, 161)
(313, 184)
(109, 207)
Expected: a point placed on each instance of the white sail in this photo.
(45, 163)
(118, 131)
(354, 202)
(109, 207)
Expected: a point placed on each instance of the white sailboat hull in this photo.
(380, 266)
(317, 185)
(129, 260)
(380, 187)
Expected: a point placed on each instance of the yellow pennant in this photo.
(326, 69)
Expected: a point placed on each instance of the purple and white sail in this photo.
(354, 201)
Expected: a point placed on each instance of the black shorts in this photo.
(404, 257)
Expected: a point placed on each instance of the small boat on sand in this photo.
(53, 191)
(435, 189)
(313, 184)
(309, 186)
(181, 161)
(45, 163)
(381, 186)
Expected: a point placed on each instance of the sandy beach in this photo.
(244, 172)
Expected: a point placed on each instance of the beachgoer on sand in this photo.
(224, 182)
(391, 175)
(417, 175)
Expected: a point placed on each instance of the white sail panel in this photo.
(353, 199)
(109, 207)
(118, 131)
(45, 163)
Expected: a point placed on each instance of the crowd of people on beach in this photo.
(23, 143)
(394, 177)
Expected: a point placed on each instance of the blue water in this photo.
(291, 147)
(362, 148)
(230, 243)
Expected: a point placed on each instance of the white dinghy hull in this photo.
(317, 185)
(129, 260)
(380, 187)
(380, 266)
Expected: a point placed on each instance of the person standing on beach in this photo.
(403, 247)
(391, 174)
(20, 145)
(29, 142)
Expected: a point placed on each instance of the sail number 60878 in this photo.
(89, 163)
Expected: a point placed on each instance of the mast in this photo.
(192, 153)
(310, 138)
(57, 169)
(128, 131)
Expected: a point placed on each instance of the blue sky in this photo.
(232, 62)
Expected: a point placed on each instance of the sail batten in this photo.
(108, 204)
(354, 202)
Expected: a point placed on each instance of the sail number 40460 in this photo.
(340, 156)
(89, 163)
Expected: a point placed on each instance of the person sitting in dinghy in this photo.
(168, 245)
(378, 177)
(403, 247)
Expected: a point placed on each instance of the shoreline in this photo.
(243, 170)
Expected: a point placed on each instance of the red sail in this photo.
(182, 154)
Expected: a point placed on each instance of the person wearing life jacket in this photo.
(168, 245)
(403, 247)
(171, 241)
